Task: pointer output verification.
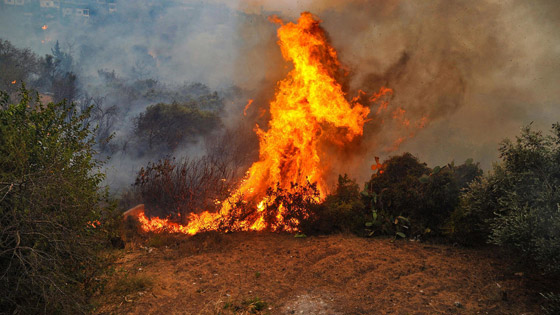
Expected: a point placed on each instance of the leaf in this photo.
(424, 179)
(401, 234)
(369, 224)
(403, 219)
(300, 235)
(469, 161)
(374, 215)
(436, 170)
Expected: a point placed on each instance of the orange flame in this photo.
(247, 107)
(44, 27)
(14, 82)
(309, 109)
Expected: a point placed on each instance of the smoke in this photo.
(470, 72)
(477, 70)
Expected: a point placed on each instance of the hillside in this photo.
(244, 273)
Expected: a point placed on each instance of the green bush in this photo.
(527, 213)
(49, 205)
(517, 205)
(407, 198)
(342, 211)
(469, 223)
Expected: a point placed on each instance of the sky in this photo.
(477, 71)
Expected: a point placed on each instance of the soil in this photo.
(266, 273)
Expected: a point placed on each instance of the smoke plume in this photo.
(464, 74)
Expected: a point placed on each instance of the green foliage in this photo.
(469, 222)
(527, 213)
(517, 205)
(51, 73)
(408, 198)
(342, 211)
(17, 65)
(169, 125)
(49, 202)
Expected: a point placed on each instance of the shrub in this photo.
(342, 211)
(527, 213)
(517, 205)
(177, 188)
(469, 223)
(49, 204)
(406, 197)
(297, 204)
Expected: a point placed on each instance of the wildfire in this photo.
(14, 82)
(44, 27)
(247, 107)
(309, 110)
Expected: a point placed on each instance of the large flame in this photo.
(309, 109)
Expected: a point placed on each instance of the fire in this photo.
(247, 107)
(309, 110)
(44, 27)
(14, 82)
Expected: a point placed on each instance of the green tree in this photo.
(517, 204)
(49, 204)
(528, 206)
(167, 126)
(407, 191)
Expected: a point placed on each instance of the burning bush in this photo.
(178, 188)
(49, 206)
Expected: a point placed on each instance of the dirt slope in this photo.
(279, 274)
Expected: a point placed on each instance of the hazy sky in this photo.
(478, 70)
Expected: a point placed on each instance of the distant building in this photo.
(62, 8)
(54, 4)
(14, 2)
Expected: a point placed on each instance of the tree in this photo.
(405, 190)
(528, 204)
(16, 66)
(49, 205)
(167, 126)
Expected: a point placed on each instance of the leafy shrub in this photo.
(527, 213)
(517, 205)
(342, 211)
(406, 197)
(469, 223)
(49, 205)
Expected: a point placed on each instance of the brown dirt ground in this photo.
(217, 273)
